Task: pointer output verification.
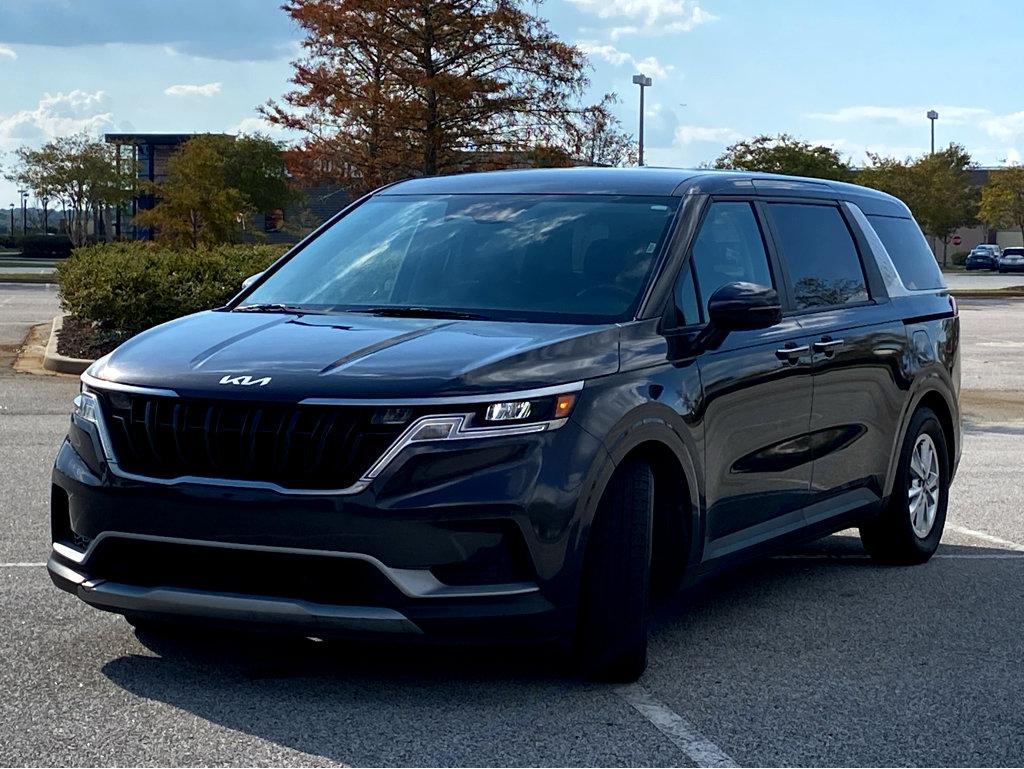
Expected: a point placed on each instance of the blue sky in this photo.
(856, 75)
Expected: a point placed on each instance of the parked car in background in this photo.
(983, 257)
(1011, 260)
(516, 405)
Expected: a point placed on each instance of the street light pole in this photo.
(933, 116)
(644, 82)
(24, 211)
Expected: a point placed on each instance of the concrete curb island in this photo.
(54, 361)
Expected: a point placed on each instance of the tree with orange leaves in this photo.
(394, 88)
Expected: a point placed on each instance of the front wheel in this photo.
(611, 640)
(909, 529)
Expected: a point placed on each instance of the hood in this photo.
(358, 356)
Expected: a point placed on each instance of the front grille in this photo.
(294, 446)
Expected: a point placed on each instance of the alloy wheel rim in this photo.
(924, 488)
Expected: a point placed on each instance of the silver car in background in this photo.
(1011, 260)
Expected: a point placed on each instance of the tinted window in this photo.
(729, 248)
(820, 255)
(909, 252)
(687, 306)
(580, 258)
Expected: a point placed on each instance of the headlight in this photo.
(536, 410)
(506, 410)
(86, 407)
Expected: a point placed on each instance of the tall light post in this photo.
(644, 82)
(24, 211)
(933, 116)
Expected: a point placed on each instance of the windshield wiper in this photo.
(288, 308)
(419, 312)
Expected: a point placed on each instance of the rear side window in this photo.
(820, 255)
(909, 252)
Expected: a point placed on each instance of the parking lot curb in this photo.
(54, 361)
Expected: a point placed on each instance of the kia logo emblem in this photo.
(244, 380)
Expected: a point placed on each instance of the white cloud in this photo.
(648, 65)
(901, 115)
(1013, 157)
(207, 89)
(57, 115)
(1005, 127)
(252, 125)
(648, 17)
(687, 134)
(1002, 127)
(6, 52)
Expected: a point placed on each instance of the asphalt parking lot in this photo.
(815, 657)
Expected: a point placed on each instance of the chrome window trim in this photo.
(459, 430)
(414, 583)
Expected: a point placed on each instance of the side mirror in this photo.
(250, 280)
(744, 307)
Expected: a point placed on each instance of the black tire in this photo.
(611, 636)
(890, 538)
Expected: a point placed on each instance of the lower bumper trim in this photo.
(118, 597)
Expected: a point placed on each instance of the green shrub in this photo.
(130, 287)
(44, 246)
(959, 257)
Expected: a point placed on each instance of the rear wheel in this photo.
(611, 641)
(909, 529)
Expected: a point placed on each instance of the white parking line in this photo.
(20, 565)
(681, 732)
(982, 556)
(986, 537)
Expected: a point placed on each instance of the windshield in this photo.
(557, 258)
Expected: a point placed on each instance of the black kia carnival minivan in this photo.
(516, 405)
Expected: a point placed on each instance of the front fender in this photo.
(651, 413)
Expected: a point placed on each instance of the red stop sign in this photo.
(957, 240)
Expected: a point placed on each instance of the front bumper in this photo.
(486, 549)
(1011, 267)
(520, 614)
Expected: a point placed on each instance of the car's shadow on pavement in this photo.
(761, 626)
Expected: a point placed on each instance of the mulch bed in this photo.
(83, 339)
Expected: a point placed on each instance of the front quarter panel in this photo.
(650, 401)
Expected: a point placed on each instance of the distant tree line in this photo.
(936, 187)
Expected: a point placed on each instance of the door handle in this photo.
(791, 354)
(827, 345)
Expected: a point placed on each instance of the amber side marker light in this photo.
(563, 405)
